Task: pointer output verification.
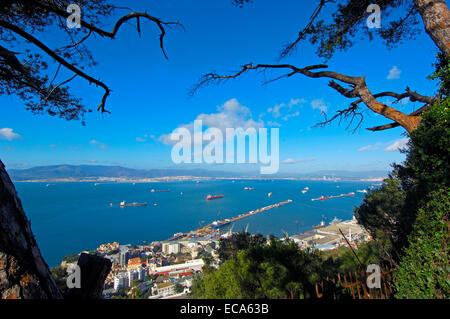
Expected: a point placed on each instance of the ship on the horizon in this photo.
(134, 204)
(248, 188)
(209, 197)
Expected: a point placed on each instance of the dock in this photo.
(208, 229)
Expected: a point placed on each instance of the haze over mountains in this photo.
(79, 172)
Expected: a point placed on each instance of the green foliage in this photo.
(429, 154)
(347, 25)
(274, 270)
(30, 78)
(442, 73)
(424, 270)
(343, 260)
(229, 247)
(72, 258)
(178, 288)
(391, 210)
(382, 212)
(60, 276)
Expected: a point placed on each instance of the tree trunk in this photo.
(23, 271)
(436, 17)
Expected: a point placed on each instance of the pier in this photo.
(208, 229)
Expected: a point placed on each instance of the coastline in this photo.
(191, 178)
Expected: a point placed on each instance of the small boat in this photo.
(248, 188)
(304, 191)
(362, 191)
(111, 204)
(306, 188)
(134, 204)
(269, 195)
(155, 204)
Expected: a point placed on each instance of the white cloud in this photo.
(7, 133)
(273, 123)
(287, 116)
(98, 144)
(276, 110)
(397, 145)
(365, 148)
(319, 104)
(372, 147)
(298, 160)
(229, 115)
(394, 73)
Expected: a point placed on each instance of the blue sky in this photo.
(150, 97)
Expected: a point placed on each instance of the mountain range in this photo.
(77, 172)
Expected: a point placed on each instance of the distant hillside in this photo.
(95, 171)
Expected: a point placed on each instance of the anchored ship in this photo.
(159, 190)
(134, 204)
(209, 197)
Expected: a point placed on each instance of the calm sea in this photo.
(71, 217)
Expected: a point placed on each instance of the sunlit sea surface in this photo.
(71, 217)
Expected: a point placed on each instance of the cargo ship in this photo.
(209, 197)
(159, 190)
(134, 204)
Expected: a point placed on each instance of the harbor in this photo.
(212, 228)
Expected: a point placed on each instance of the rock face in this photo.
(23, 271)
(93, 270)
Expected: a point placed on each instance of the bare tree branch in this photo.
(392, 125)
(122, 20)
(291, 46)
(59, 59)
(358, 88)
